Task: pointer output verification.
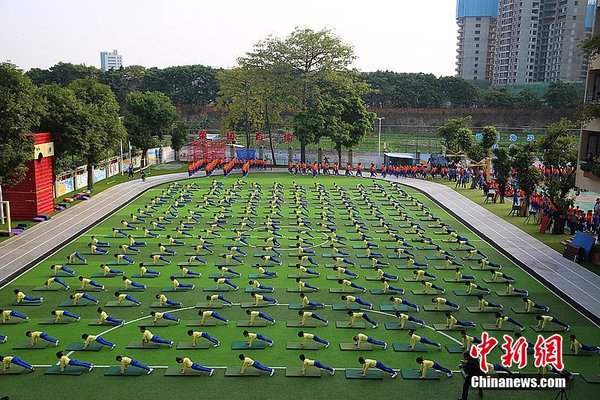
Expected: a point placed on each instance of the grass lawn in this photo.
(95, 386)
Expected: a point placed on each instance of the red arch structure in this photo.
(35, 194)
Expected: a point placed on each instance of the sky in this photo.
(396, 35)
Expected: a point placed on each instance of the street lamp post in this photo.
(379, 141)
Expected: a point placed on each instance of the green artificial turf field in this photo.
(308, 201)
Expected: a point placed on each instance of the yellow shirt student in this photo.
(77, 297)
(368, 364)
(6, 315)
(350, 299)
(185, 364)
(528, 305)
(147, 336)
(483, 304)
(58, 314)
(425, 365)
(305, 337)
(103, 316)
(121, 298)
(413, 340)
(451, 322)
(64, 361)
(20, 297)
(157, 316)
(248, 362)
(575, 346)
(418, 275)
(439, 301)
(6, 362)
(205, 314)
(162, 299)
(500, 321)
(354, 316)
(361, 338)
(251, 338)
(306, 363)
(466, 341)
(257, 298)
(90, 339)
(305, 315)
(85, 282)
(510, 289)
(124, 363)
(127, 282)
(470, 287)
(35, 336)
(196, 335)
(544, 320)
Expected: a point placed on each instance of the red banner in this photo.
(260, 136)
(202, 134)
(230, 136)
(288, 138)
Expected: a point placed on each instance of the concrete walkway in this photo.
(573, 283)
(569, 280)
(19, 253)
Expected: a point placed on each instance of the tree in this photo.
(562, 95)
(347, 122)
(179, 137)
(527, 175)
(148, 117)
(404, 90)
(20, 111)
(239, 94)
(558, 148)
(481, 150)
(103, 128)
(498, 98)
(63, 74)
(590, 47)
(456, 133)
(185, 84)
(67, 119)
(502, 169)
(124, 80)
(313, 57)
(528, 99)
(459, 92)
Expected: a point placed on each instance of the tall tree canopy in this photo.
(558, 148)
(101, 128)
(63, 74)
(148, 117)
(562, 95)
(185, 84)
(20, 111)
(457, 133)
(68, 120)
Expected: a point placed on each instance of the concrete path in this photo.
(573, 283)
(569, 280)
(20, 252)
